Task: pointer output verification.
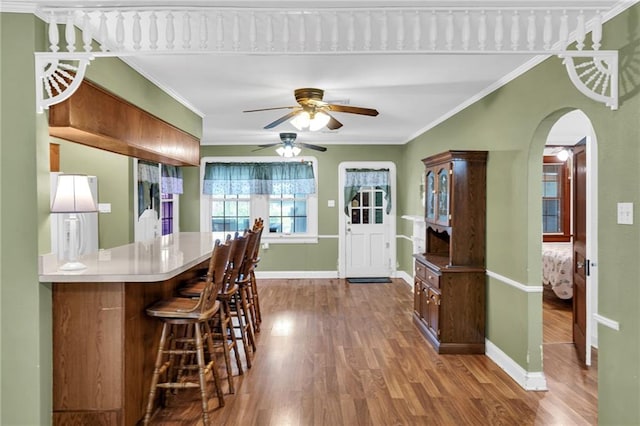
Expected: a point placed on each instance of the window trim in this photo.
(310, 237)
(565, 236)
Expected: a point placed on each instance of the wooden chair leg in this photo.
(213, 365)
(228, 325)
(201, 375)
(243, 335)
(256, 299)
(252, 307)
(225, 349)
(247, 317)
(156, 372)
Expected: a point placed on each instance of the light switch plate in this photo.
(625, 213)
(104, 207)
(331, 203)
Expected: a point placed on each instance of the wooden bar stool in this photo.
(178, 314)
(258, 226)
(250, 325)
(223, 321)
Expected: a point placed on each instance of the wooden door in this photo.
(580, 261)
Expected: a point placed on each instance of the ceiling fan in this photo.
(313, 113)
(289, 146)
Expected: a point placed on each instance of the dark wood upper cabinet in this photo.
(95, 117)
(450, 281)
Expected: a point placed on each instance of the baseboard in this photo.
(321, 274)
(528, 380)
(404, 276)
(267, 275)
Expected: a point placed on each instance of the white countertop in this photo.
(154, 260)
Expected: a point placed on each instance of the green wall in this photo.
(25, 314)
(25, 338)
(508, 123)
(115, 228)
(322, 256)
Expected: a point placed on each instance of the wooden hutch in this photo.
(450, 282)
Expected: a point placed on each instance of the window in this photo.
(288, 213)
(167, 214)
(230, 213)
(367, 206)
(291, 216)
(556, 199)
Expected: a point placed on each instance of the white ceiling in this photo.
(412, 92)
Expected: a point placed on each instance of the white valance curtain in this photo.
(259, 178)
(356, 179)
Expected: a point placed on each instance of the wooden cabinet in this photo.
(450, 282)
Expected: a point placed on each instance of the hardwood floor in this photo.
(333, 353)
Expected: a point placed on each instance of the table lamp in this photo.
(73, 196)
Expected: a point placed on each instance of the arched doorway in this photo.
(569, 130)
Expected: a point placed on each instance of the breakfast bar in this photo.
(103, 342)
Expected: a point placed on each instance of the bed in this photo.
(557, 269)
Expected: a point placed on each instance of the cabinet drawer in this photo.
(432, 278)
(421, 271)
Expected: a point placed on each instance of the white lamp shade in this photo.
(288, 151)
(319, 121)
(301, 121)
(73, 195)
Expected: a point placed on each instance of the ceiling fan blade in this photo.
(261, 147)
(282, 119)
(269, 145)
(270, 109)
(352, 109)
(333, 124)
(315, 147)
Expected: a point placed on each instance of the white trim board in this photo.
(614, 325)
(528, 380)
(607, 322)
(516, 284)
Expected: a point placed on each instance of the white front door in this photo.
(367, 236)
(367, 231)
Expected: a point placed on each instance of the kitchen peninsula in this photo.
(103, 342)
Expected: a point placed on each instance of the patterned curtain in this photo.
(259, 178)
(171, 179)
(358, 178)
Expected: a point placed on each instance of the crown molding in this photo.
(17, 7)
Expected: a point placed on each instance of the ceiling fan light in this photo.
(288, 151)
(301, 121)
(319, 121)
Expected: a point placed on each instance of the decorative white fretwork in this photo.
(58, 76)
(595, 74)
(525, 30)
